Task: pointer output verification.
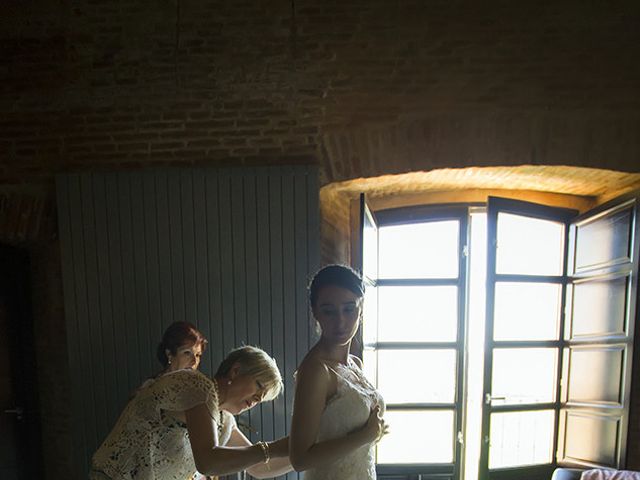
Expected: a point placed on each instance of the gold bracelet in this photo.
(264, 446)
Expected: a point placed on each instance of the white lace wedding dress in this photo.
(347, 411)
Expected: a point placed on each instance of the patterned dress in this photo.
(147, 443)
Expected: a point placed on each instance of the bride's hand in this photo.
(376, 427)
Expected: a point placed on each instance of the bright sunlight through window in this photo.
(415, 334)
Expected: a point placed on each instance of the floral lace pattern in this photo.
(147, 442)
(346, 411)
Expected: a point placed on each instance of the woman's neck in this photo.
(333, 352)
(221, 384)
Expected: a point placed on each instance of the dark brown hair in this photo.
(176, 335)
(336, 275)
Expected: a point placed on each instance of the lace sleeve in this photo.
(184, 389)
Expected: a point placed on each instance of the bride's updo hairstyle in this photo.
(338, 276)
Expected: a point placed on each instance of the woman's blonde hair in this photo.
(257, 363)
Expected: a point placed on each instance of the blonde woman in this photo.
(184, 422)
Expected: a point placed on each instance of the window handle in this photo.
(488, 398)
(18, 412)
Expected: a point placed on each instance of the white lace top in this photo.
(147, 443)
(346, 411)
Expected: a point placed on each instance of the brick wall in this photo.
(361, 87)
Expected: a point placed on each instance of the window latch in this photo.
(488, 398)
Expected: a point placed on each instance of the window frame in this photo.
(422, 214)
(623, 412)
(495, 206)
(416, 214)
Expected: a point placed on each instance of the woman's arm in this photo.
(278, 449)
(210, 459)
(313, 380)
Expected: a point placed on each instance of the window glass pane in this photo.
(417, 437)
(419, 250)
(418, 314)
(521, 438)
(523, 375)
(592, 438)
(605, 239)
(527, 311)
(398, 382)
(596, 375)
(529, 245)
(370, 315)
(600, 307)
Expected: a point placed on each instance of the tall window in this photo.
(413, 335)
(469, 336)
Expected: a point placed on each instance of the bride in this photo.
(337, 414)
